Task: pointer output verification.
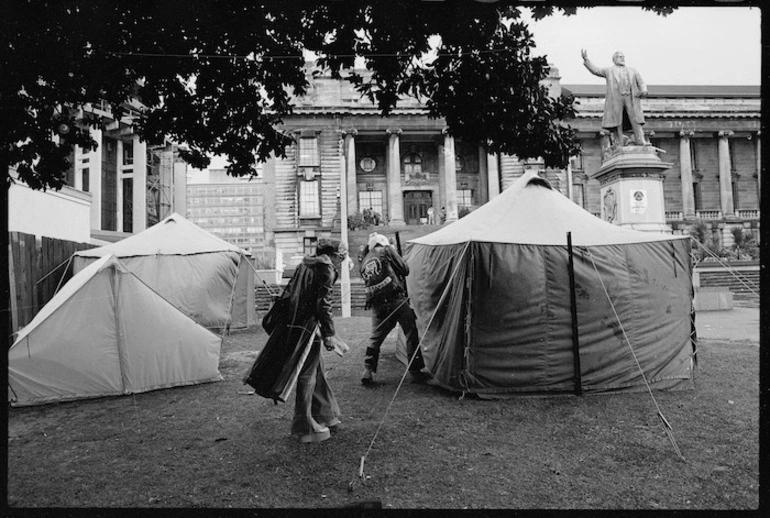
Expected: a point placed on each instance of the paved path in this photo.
(736, 324)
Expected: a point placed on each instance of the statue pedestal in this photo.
(631, 180)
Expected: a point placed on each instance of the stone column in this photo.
(450, 178)
(725, 175)
(349, 171)
(395, 196)
(493, 174)
(140, 185)
(685, 167)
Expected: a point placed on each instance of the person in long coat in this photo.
(622, 105)
(298, 323)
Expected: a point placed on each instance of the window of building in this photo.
(70, 174)
(370, 200)
(309, 199)
(128, 204)
(731, 154)
(128, 153)
(309, 245)
(413, 166)
(464, 197)
(86, 177)
(578, 196)
(693, 155)
(109, 208)
(736, 196)
(696, 194)
(576, 162)
(308, 152)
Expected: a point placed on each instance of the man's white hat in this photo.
(377, 239)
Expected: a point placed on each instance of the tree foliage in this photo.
(219, 77)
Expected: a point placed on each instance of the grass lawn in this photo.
(214, 445)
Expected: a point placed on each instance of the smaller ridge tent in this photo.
(493, 298)
(105, 333)
(207, 278)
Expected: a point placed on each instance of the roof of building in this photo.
(672, 90)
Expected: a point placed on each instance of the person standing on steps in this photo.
(384, 274)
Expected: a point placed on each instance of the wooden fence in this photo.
(37, 267)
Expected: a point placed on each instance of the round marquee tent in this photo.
(493, 298)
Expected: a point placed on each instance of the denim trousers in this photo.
(385, 316)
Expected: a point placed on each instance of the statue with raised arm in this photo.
(622, 106)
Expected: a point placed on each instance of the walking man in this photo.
(384, 273)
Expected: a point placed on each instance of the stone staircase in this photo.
(357, 296)
(741, 281)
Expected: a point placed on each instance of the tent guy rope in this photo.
(666, 425)
(731, 270)
(360, 472)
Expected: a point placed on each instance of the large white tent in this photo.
(106, 333)
(207, 278)
(497, 311)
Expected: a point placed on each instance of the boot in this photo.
(366, 377)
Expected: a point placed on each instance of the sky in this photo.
(693, 45)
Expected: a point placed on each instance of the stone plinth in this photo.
(716, 298)
(631, 180)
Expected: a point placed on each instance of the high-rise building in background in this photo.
(230, 208)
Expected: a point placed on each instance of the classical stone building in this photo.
(120, 188)
(404, 164)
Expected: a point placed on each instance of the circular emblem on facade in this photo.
(610, 206)
(368, 164)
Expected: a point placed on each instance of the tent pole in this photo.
(229, 317)
(573, 308)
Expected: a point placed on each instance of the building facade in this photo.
(120, 188)
(402, 165)
(230, 208)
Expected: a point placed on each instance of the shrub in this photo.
(356, 221)
(739, 238)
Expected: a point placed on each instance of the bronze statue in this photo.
(622, 106)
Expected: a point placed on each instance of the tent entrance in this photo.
(416, 204)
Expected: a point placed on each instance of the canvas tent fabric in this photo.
(190, 267)
(493, 300)
(106, 333)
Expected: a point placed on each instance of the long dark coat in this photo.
(304, 306)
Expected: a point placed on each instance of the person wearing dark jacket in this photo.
(384, 273)
(299, 321)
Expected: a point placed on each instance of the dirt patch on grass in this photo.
(214, 445)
